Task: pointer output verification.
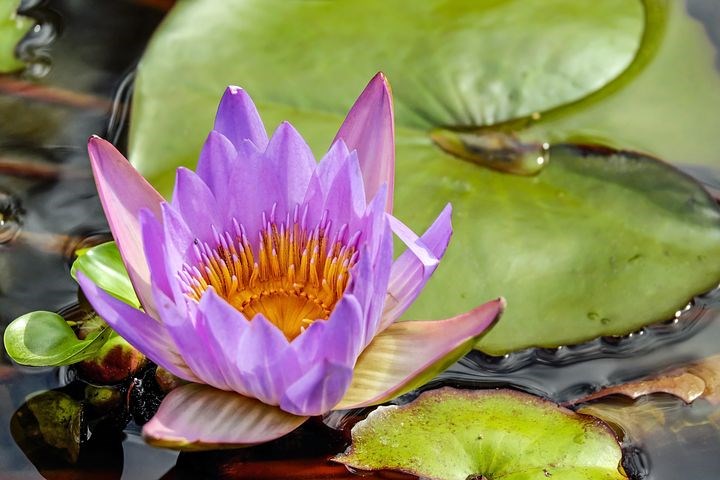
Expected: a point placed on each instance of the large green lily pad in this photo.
(669, 108)
(598, 243)
(451, 62)
(13, 28)
(495, 434)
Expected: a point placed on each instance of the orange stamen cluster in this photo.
(291, 275)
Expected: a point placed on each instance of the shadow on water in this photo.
(81, 57)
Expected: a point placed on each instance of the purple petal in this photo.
(373, 286)
(140, 330)
(178, 243)
(123, 193)
(369, 129)
(413, 268)
(257, 354)
(198, 416)
(408, 354)
(318, 391)
(195, 202)
(322, 179)
(288, 164)
(193, 345)
(216, 163)
(238, 119)
(222, 328)
(345, 199)
(337, 339)
(154, 247)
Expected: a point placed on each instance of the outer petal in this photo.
(140, 330)
(123, 193)
(196, 417)
(238, 119)
(217, 160)
(369, 129)
(408, 354)
(318, 390)
(413, 268)
(223, 327)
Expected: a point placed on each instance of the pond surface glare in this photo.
(81, 60)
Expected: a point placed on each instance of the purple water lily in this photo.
(269, 282)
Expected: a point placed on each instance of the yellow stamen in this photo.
(294, 276)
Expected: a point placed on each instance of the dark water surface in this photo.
(78, 83)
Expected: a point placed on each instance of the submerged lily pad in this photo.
(496, 434)
(597, 243)
(51, 422)
(13, 28)
(43, 339)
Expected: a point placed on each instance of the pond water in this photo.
(79, 81)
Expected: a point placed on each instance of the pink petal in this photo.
(196, 417)
(369, 128)
(408, 354)
(411, 271)
(123, 193)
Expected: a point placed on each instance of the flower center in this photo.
(293, 276)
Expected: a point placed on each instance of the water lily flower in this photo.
(268, 281)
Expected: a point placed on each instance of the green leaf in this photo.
(670, 107)
(496, 434)
(42, 339)
(104, 266)
(580, 250)
(451, 62)
(13, 28)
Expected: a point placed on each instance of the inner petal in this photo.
(292, 275)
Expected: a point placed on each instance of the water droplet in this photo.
(10, 217)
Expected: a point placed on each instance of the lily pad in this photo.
(582, 249)
(451, 62)
(13, 28)
(670, 107)
(496, 434)
(43, 339)
(104, 266)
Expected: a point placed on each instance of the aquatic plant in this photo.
(268, 281)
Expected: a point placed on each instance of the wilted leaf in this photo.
(696, 380)
(497, 434)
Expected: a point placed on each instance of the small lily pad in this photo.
(452, 434)
(13, 28)
(43, 339)
(104, 266)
